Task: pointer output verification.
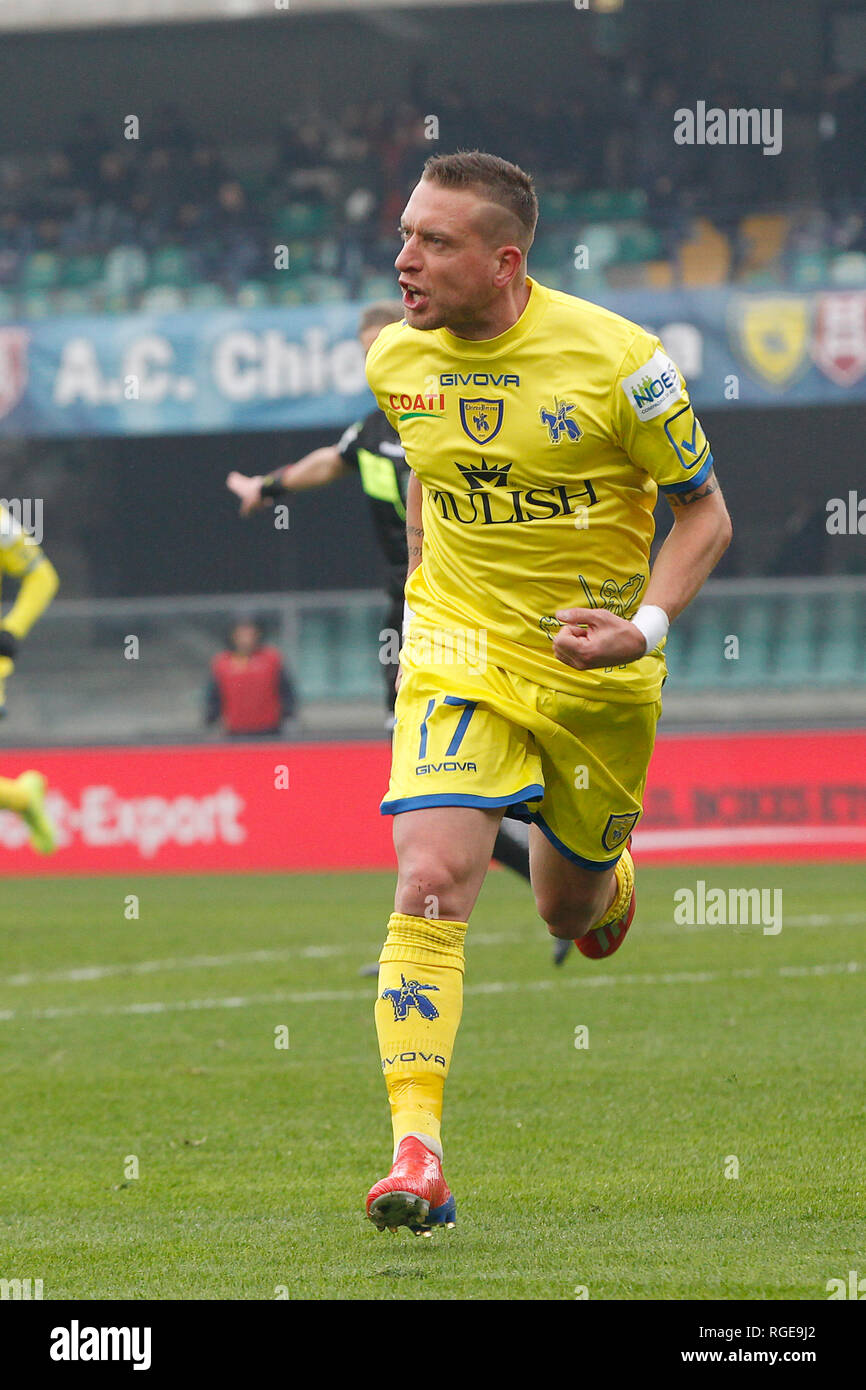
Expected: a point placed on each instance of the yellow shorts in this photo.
(575, 768)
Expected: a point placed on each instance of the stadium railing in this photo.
(752, 650)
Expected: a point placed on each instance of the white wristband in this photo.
(408, 615)
(653, 623)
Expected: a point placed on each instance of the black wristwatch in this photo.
(272, 487)
(8, 643)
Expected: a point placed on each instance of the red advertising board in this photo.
(279, 806)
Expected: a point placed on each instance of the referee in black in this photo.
(371, 447)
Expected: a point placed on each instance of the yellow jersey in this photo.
(540, 453)
(19, 553)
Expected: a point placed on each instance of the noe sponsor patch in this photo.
(653, 387)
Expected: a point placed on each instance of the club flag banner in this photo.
(215, 371)
(284, 807)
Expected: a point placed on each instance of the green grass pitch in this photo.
(605, 1168)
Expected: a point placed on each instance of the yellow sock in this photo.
(14, 797)
(624, 875)
(417, 1016)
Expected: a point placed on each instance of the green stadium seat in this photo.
(753, 628)
(36, 304)
(842, 623)
(317, 656)
(639, 243)
(117, 302)
(322, 289)
(126, 268)
(301, 220)
(380, 287)
(357, 672)
(602, 243)
(252, 294)
(626, 204)
(796, 642)
(810, 268)
(8, 306)
(301, 256)
(289, 294)
(169, 266)
(162, 299)
(41, 271)
(705, 663)
(73, 302)
(82, 270)
(206, 295)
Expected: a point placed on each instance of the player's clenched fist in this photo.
(591, 637)
(249, 490)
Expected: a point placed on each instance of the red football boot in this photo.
(414, 1194)
(603, 941)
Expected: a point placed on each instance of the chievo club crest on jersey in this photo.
(481, 419)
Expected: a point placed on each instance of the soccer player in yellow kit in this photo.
(539, 428)
(22, 559)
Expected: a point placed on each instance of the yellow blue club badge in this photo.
(481, 419)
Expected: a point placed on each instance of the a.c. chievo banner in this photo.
(294, 807)
(210, 371)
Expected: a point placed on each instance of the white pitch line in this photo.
(345, 996)
(79, 974)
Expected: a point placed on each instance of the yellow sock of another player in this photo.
(418, 1013)
(26, 796)
(14, 795)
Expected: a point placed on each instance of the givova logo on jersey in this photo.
(653, 387)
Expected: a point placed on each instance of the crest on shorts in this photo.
(481, 419)
(618, 829)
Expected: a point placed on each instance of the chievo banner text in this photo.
(295, 807)
(208, 371)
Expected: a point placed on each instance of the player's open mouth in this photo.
(412, 298)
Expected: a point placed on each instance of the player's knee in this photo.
(431, 885)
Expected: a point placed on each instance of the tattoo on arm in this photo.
(684, 499)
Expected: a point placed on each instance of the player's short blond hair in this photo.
(377, 314)
(500, 182)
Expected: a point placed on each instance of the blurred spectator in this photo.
(803, 550)
(83, 150)
(356, 163)
(249, 691)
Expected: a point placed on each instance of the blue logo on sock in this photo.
(408, 997)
